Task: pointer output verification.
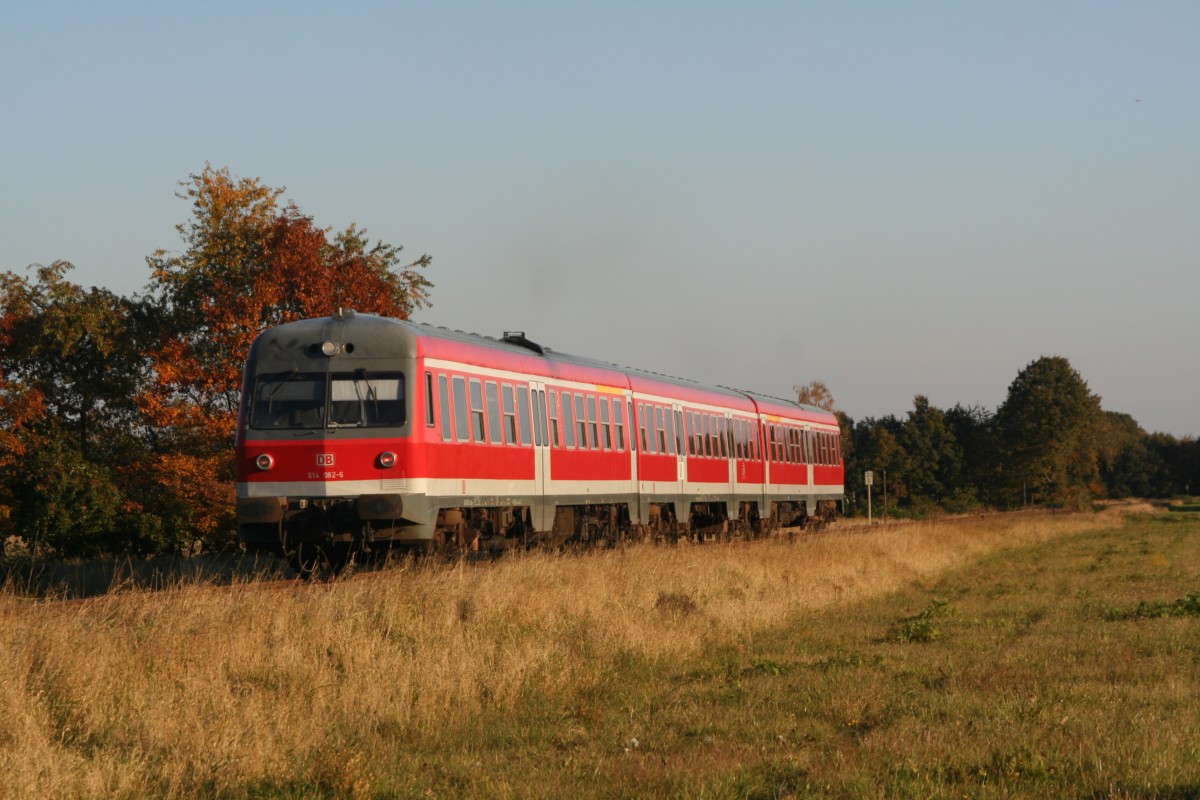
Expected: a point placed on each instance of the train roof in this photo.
(646, 381)
(520, 354)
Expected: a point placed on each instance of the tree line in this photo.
(1049, 444)
(117, 413)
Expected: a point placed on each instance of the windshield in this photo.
(306, 400)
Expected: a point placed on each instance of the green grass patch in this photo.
(1019, 686)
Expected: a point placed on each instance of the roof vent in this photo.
(343, 313)
(518, 338)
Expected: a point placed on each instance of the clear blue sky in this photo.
(892, 197)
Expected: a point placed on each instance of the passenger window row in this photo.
(787, 444)
(494, 412)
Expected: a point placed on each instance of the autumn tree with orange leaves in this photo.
(250, 263)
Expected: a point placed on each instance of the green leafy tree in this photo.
(70, 367)
(974, 432)
(877, 447)
(1048, 430)
(934, 457)
(75, 348)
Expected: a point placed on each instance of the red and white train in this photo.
(358, 433)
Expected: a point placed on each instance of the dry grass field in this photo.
(1002, 656)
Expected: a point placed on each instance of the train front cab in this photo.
(324, 443)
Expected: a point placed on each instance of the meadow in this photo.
(1006, 656)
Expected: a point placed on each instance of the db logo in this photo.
(324, 459)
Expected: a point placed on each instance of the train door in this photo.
(542, 510)
(731, 449)
(731, 440)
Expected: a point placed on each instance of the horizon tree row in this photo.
(1050, 443)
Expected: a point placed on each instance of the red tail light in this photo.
(387, 459)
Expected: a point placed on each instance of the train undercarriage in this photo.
(324, 536)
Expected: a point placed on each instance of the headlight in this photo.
(387, 459)
(264, 462)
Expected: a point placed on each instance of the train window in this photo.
(593, 426)
(724, 437)
(641, 425)
(360, 399)
(838, 443)
(633, 444)
(670, 432)
(462, 429)
(493, 412)
(651, 430)
(554, 417)
(689, 432)
(523, 413)
(771, 442)
(806, 445)
(605, 430)
(510, 414)
(660, 439)
(478, 430)
(539, 417)
(585, 442)
(619, 422)
(444, 407)
(824, 447)
(679, 432)
(568, 420)
(288, 400)
(429, 420)
(741, 438)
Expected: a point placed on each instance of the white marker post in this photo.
(868, 479)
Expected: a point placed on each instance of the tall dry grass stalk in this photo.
(205, 689)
